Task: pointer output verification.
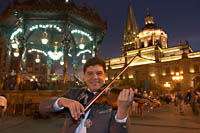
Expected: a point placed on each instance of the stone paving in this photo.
(167, 120)
(163, 120)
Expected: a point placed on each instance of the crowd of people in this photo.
(191, 97)
(146, 101)
(151, 100)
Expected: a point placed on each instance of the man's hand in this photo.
(3, 104)
(76, 109)
(124, 100)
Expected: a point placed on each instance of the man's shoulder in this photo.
(76, 90)
(73, 93)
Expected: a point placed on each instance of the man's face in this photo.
(94, 77)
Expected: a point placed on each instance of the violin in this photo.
(111, 98)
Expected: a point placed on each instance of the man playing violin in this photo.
(100, 118)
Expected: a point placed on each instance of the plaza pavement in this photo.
(162, 120)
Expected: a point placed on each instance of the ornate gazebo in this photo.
(41, 33)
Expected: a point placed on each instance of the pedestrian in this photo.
(100, 118)
(179, 100)
(192, 97)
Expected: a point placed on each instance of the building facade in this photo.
(155, 62)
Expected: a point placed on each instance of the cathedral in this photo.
(155, 63)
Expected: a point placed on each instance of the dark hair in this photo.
(3, 95)
(94, 61)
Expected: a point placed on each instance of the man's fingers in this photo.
(76, 109)
(131, 94)
(71, 109)
(82, 109)
(126, 95)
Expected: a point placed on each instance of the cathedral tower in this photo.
(130, 32)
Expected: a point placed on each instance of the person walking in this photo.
(179, 99)
(192, 97)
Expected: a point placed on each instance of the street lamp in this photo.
(167, 85)
(177, 77)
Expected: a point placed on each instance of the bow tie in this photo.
(86, 97)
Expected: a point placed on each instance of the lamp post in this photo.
(21, 51)
(66, 42)
(167, 85)
(177, 77)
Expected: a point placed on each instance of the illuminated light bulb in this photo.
(177, 73)
(62, 62)
(83, 60)
(16, 53)
(15, 43)
(37, 60)
(82, 45)
(44, 40)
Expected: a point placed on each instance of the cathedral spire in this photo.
(131, 25)
(130, 32)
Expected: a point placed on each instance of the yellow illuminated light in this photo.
(192, 70)
(147, 57)
(172, 73)
(177, 77)
(106, 78)
(164, 74)
(177, 74)
(130, 76)
(172, 50)
(146, 50)
(116, 66)
(194, 55)
(153, 75)
(132, 53)
(167, 85)
(165, 59)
